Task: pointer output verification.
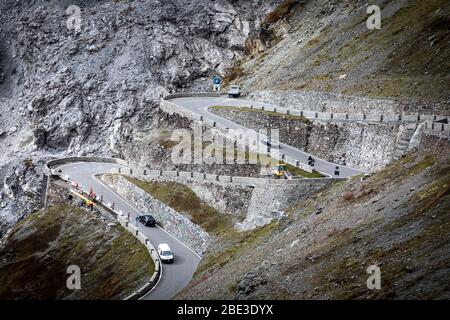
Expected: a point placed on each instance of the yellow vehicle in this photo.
(279, 171)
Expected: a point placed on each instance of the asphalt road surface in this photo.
(200, 105)
(174, 276)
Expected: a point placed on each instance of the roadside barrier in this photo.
(117, 215)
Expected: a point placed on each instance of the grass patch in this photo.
(182, 199)
(167, 144)
(340, 265)
(422, 165)
(265, 112)
(40, 248)
(266, 161)
(292, 169)
(165, 139)
(302, 173)
(402, 74)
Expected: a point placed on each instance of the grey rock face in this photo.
(19, 191)
(84, 93)
(267, 202)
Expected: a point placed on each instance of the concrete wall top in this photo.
(386, 117)
(57, 162)
(218, 179)
(193, 94)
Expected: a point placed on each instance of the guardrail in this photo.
(314, 115)
(433, 123)
(57, 162)
(213, 178)
(153, 254)
(172, 108)
(436, 127)
(193, 94)
(117, 215)
(368, 117)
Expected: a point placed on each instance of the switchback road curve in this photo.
(200, 106)
(174, 277)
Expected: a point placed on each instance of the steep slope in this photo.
(326, 46)
(397, 219)
(37, 253)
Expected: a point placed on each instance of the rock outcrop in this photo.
(65, 91)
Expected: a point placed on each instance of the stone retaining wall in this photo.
(306, 104)
(173, 222)
(146, 174)
(351, 117)
(225, 197)
(172, 108)
(367, 146)
(269, 202)
(261, 199)
(331, 102)
(374, 151)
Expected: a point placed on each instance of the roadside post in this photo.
(336, 171)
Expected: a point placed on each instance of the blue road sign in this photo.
(217, 80)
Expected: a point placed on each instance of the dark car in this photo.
(147, 220)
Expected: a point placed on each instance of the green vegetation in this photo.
(167, 144)
(427, 162)
(182, 199)
(265, 112)
(263, 158)
(41, 247)
(401, 261)
(302, 173)
(404, 71)
(411, 70)
(400, 170)
(268, 162)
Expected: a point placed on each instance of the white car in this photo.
(234, 91)
(165, 254)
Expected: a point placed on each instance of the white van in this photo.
(234, 91)
(165, 254)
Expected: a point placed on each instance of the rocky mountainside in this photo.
(95, 92)
(325, 45)
(397, 220)
(64, 92)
